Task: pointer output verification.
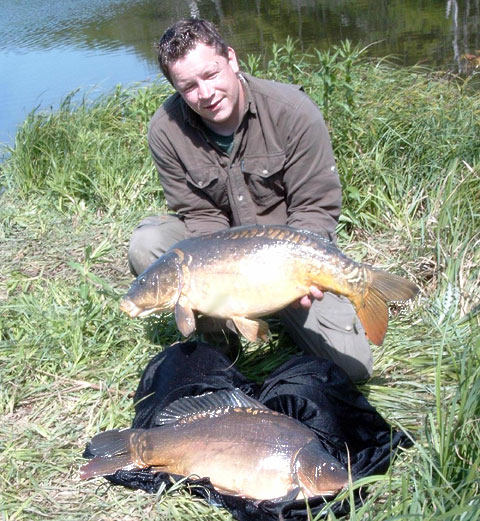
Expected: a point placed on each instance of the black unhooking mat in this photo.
(312, 390)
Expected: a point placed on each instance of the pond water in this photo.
(49, 48)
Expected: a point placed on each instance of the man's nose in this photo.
(205, 90)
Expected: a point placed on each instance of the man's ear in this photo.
(232, 60)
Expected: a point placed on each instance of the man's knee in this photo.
(331, 330)
(151, 239)
(140, 254)
(339, 325)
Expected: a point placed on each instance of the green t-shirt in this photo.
(225, 143)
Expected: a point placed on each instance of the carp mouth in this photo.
(132, 310)
(128, 307)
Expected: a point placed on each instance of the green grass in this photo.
(79, 179)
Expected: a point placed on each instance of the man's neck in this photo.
(222, 129)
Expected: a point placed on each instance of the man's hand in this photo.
(307, 300)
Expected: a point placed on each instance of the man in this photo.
(231, 150)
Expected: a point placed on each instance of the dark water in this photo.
(49, 48)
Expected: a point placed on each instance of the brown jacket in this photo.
(281, 169)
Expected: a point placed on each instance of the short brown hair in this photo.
(182, 37)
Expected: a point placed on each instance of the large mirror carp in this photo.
(248, 272)
(244, 448)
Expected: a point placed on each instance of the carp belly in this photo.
(249, 473)
(255, 286)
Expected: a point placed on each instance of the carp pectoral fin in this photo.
(225, 491)
(184, 317)
(158, 468)
(252, 329)
(294, 494)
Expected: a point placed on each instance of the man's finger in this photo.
(306, 302)
(315, 292)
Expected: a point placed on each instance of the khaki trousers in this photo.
(329, 329)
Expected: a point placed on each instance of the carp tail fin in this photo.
(110, 451)
(371, 305)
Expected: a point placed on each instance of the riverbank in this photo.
(79, 179)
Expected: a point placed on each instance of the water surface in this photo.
(49, 48)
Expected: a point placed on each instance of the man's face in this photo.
(209, 85)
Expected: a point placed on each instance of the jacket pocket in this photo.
(264, 178)
(211, 181)
(337, 314)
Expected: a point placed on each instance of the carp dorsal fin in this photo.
(184, 316)
(207, 405)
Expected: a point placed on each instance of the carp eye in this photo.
(142, 281)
